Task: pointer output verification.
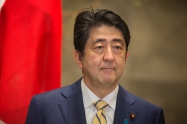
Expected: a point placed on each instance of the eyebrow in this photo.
(119, 41)
(113, 40)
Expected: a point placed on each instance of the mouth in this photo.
(108, 69)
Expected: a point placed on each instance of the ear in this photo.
(127, 56)
(77, 58)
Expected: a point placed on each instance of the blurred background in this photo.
(156, 69)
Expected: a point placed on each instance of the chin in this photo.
(108, 81)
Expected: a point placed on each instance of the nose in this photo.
(108, 55)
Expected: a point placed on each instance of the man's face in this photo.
(104, 57)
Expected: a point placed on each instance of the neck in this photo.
(101, 91)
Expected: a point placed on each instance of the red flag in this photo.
(30, 54)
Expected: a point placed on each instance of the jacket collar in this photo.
(72, 107)
(124, 108)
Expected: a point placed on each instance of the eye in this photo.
(118, 47)
(99, 47)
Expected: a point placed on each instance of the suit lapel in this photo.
(72, 106)
(124, 108)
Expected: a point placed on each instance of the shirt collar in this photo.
(89, 97)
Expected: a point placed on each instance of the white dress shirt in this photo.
(89, 97)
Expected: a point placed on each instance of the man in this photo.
(101, 42)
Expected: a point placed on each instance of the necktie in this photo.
(100, 117)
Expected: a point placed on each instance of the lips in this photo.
(108, 69)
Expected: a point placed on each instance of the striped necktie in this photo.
(100, 117)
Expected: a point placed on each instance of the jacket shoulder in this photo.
(58, 94)
(147, 111)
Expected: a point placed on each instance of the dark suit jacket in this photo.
(65, 106)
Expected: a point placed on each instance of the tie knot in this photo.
(100, 104)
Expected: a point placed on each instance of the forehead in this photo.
(105, 33)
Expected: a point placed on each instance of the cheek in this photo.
(95, 62)
(121, 63)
